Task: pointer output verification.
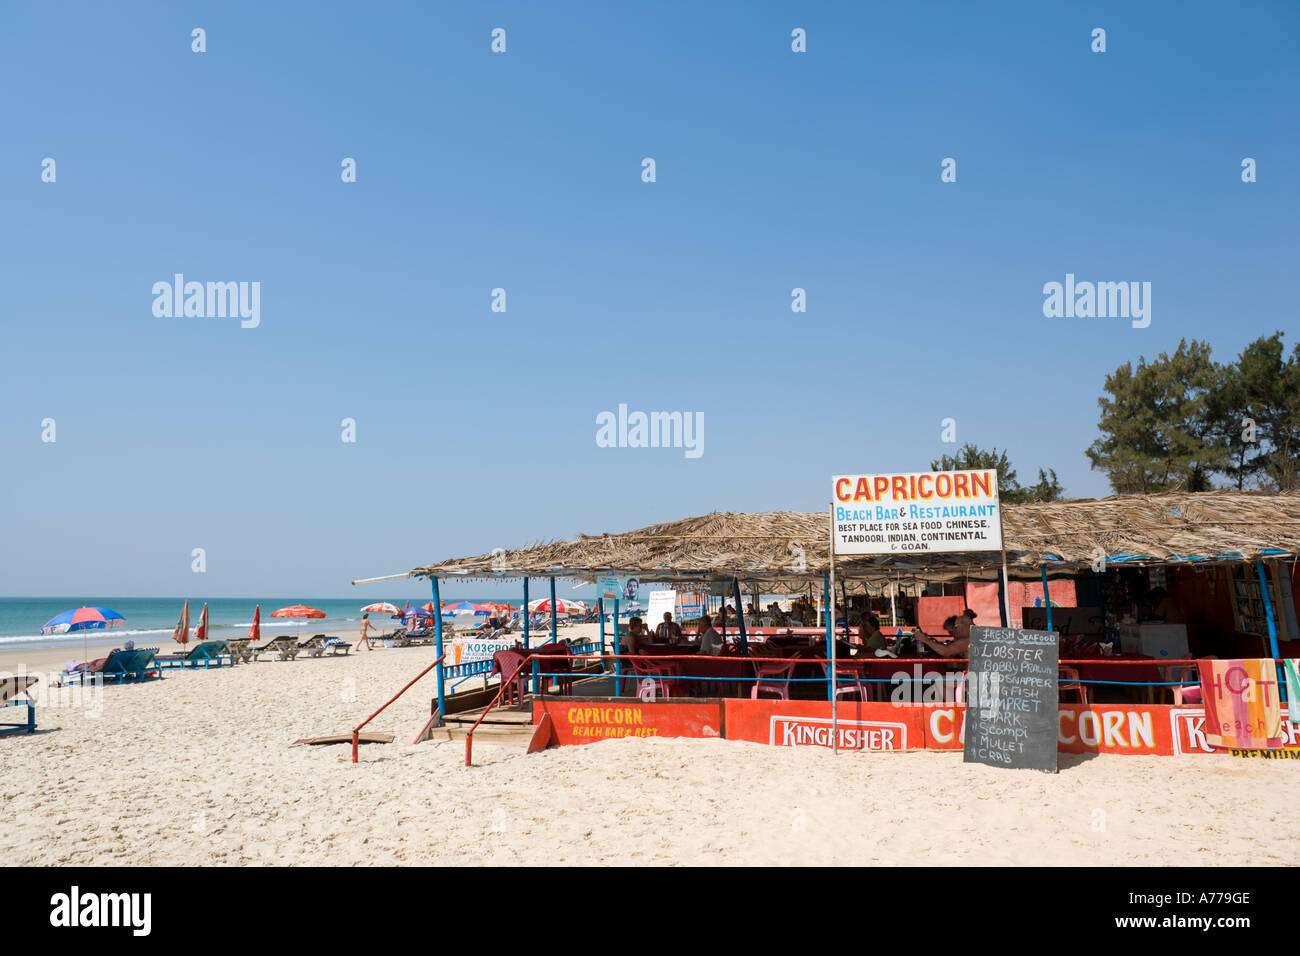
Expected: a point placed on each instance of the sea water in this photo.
(149, 622)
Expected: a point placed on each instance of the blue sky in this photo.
(522, 171)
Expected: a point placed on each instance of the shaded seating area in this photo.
(1136, 588)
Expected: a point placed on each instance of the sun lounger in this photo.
(204, 654)
(121, 667)
(318, 644)
(14, 692)
(240, 650)
(285, 646)
(399, 638)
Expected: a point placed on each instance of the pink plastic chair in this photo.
(1184, 672)
(767, 681)
(665, 677)
(849, 682)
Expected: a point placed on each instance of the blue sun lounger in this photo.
(119, 667)
(14, 693)
(204, 654)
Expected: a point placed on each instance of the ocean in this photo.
(150, 621)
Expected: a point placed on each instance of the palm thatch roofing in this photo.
(787, 549)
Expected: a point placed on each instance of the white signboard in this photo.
(659, 602)
(924, 512)
(470, 651)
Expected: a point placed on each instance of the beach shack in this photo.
(1137, 591)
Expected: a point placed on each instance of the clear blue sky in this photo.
(477, 170)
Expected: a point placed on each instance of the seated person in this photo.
(1162, 606)
(958, 628)
(872, 638)
(637, 635)
(710, 640)
(668, 632)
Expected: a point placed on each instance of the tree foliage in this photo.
(973, 458)
(1176, 422)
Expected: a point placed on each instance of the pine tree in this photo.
(1157, 428)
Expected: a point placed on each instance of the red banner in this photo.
(589, 721)
(1137, 729)
(807, 723)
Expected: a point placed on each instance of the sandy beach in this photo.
(198, 768)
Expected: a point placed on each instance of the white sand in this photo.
(197, 769)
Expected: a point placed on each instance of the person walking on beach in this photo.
(365, 633)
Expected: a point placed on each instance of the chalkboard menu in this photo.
(1012, 698)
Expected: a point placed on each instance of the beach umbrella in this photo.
(83, 619)
(300, 611)
(561, 606)
(382, 607)
(466, 607)
(255, 632)
(182, 633)
(201, 629)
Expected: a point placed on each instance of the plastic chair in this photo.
(504, 663)
(1069, 681)
(555, 659)
(665, 677)
(773, 678)
(849, 682)
(1189, 673)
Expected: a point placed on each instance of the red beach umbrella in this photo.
(201, 632)
(182, 633)
(300, 611)
(255, 632)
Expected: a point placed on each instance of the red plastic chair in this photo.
(773, 678)
(556, 659)
(1069, 682)
(504, 663)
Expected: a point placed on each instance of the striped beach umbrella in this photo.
(466, 607)
(382, 607)
(83, 619)
(561, 606)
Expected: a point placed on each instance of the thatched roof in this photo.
(787, 548)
